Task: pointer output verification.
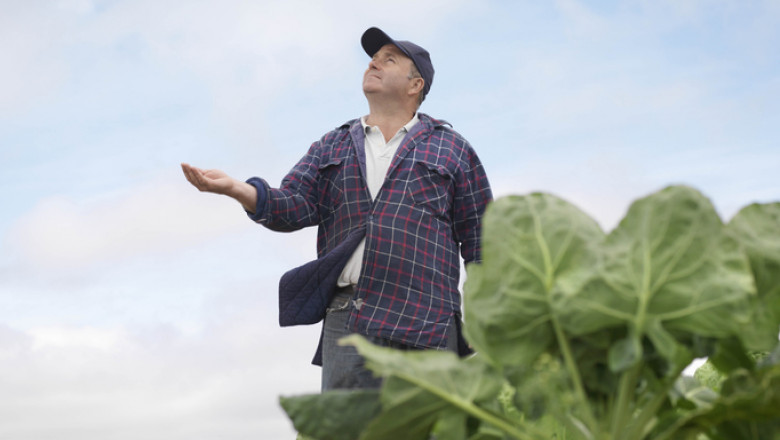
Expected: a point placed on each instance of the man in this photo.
(396, 196)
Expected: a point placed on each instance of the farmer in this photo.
(396, 195)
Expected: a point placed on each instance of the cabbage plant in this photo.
(580, 334)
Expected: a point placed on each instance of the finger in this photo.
(187, 168)
(194, 176)
(187, 172)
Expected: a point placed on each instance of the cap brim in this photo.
(374, 38)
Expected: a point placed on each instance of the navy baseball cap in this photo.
(373, 39)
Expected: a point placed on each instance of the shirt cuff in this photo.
(262, 198)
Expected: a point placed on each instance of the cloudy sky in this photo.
(132, 306)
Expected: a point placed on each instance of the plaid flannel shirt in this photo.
(428, 210)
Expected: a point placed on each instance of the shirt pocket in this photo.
(430, 187)
(330, 185)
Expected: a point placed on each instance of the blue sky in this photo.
(132, 306)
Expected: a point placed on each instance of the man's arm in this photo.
(217, 182)
(472, 195)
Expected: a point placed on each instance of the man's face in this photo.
(388, 72)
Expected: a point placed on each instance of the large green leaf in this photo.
(757, 228)
(334, 415)
(425, 389)
(409, 412)
(443, 372)
(668, 273)
(534, 248)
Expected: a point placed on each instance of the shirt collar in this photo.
(406, 128)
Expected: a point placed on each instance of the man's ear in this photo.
(416, 86)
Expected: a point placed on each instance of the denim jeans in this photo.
(342, 366)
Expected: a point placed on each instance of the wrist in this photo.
(245, 194)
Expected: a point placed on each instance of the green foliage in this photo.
(323, 415)
(709, 376)
(584, 335)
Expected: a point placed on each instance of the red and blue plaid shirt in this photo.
(428, 211)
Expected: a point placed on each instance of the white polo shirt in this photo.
(379, 155)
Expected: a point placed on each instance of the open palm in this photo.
(214, 181)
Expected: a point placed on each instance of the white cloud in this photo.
(87, 337)
(62, 232)
(156, 382)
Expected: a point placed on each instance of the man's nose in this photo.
(373, 64)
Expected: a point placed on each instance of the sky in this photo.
(133, 306)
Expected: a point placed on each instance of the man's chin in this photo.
(370, 90)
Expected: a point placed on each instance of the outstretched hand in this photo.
(214, 181)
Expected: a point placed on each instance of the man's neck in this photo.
(389, 120)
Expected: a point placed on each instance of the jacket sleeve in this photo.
(472, 195)
(293, 205)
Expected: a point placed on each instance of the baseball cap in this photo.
(374, 38)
